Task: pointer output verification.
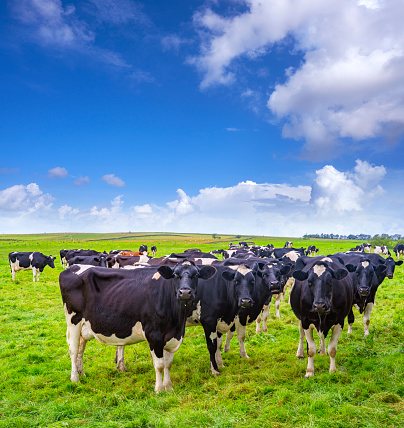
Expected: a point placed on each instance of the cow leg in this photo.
(291, 282)
(211, 342)
(265, 315)
(218, 354)
(311, 352)
(120, 359)
(351, 320)
(13, 272)
(258, 324)
(277, 305)
(321, 349)
(158, 363)
(73, 340)
(241, 333)
(366, 318)
(79, 363)
(332, 346)
(33, 274)
(229, 336)
(37, 274)
(168, 362)
(300, 349)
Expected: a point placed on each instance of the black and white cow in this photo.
(63, 257)
(217, 303)
(288, 244)
(153, 250)
(117, 261)
(366, 247)
(120, 307)
(399, 251)
(321, 298)
(26, 260)
(143, 249)
(99, 260)
(74, 253)
(311, 250)
(381, 250)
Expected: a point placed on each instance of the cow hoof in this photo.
(300, 356)
(169, 388)
(308, 375)
(122, 369)
(75, 378)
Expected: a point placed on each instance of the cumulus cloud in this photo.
(349, 83)
(112, 180)
(81, 181)
(58, 172)
(26, 199)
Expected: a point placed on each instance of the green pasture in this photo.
(266, 390)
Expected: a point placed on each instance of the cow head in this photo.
(391, 264)
(320, 278)
(243, 279)
(101, 260)
(367, 275)
(273, 276)
(50, 261)
(185, 276)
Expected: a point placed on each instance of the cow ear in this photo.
(285, 270)
(399, 263)
(340, 274)
(350, 268)
(166, 272)
(261, 265)
(300, 275)
(228, 275)
(207, 272)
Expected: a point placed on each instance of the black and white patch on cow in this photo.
(27, 261)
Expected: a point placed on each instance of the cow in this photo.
(63, 257)
(125, 307)
(73, 253)
(119, 261)
(153, 250)
(321, 299)
(288, 244)
(311, 250)
(399, 251)
(358, 249)
(381, 250)
(269, 281)
(381, 273)
(99, 260)
(131, 253)
(217, 302)
(366, 247)
(26, 260)
(143, 249)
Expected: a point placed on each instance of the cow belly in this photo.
(136, 336)
(223, 327)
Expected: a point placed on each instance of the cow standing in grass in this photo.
(26, 261)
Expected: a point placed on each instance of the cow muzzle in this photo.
(321, 307)
(275, 287)
(185, 294)
(245, 303)
(390, 276)
(363, 292)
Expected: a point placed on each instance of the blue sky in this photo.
(276, 118)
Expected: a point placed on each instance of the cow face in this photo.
(185, 276)
(367, 276)
(273, 276)
(50, 261)
(320, 282)
(243, 279)
(391, 264)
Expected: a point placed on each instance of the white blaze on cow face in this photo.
(187, 264)
(319, 270)
(244, 270)
(365, 264)
(326, 259)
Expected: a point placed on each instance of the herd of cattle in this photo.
(125, 297)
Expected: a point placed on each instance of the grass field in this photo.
(267, 390)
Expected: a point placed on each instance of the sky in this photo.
(278, 118)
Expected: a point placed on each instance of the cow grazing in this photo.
(381, 250)
(63, 257)
(153, 250)
(321, 299)
(311, 250)
(217, 303)
(399, 251)
(366, 247)
(26, 260)
(125, 307)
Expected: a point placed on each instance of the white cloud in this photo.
(25, 199)
(112, 180)
(58, 172)
(81, 181)
(173, 42)
(349, 84)
(119, 11)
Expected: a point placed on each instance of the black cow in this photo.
(399, 251)
(386, 270)
(311, 250)
(217, 303)
(126, 307)
(74, 253)
(63, 257)
(153, 249)
(321, 298)
(99, 260)
(26, 260)
(143, 249)
(269, 280)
